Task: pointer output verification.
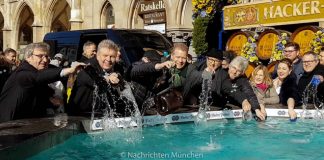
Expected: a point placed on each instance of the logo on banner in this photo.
(281, 113)
(237, 113)
(175, 118)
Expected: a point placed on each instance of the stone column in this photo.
(7, 30)
(37, 33)
(175, 29)
(37, 25)
(76, 20)
(6, 40)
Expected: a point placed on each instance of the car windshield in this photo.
(144, 40)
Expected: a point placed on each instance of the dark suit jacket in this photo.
(26, 93)
(82, 96)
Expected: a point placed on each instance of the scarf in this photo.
(262, 86)
(175, 77)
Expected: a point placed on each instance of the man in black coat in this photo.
(221, 85)
(158, 77)
(102, 72)
(144, 75)
(312, 68)
(26, 93)
(89, 51)
(240, 83)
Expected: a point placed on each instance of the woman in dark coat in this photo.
(286, 87)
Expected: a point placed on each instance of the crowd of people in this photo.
(40, 86)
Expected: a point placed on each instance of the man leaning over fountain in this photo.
(312, 68)
(99, 85)
(26, 93)
(221, 85)
(171, 74)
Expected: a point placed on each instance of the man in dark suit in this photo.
(98, 88)
(26, 93)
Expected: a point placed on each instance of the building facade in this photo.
(27, 21)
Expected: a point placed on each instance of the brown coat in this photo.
(270, 96)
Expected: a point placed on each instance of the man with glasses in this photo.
(291, 52)
(26, 93)
(312, 68)
(241, 84)
(210, 71)
(201, 70)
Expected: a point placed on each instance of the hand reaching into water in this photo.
(246, 106)
(263, 111)
(259, 114)
(292, 114)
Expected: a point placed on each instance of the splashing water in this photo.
(310, 95)
(204, 102)
(108, 107)
(211, 146)
(148, 103)
(247, 116)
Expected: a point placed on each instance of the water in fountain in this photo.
(211, 145)
(310, 95)
(204, 102)
(148, 103)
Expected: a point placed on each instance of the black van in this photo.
(131, 42)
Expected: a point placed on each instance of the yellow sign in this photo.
(272, 13)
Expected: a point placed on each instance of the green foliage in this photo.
(199, 35)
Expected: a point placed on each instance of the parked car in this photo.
(131, 41)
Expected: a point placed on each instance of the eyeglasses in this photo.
(289, 51)
(213, 60)
(58, 58)
(305, 62)
(238, 71)
(41, 56)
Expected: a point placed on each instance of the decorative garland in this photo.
(203, 8)
(318, 41)
(207, 8)
(277, 53)
(203, 13)
(249, 49)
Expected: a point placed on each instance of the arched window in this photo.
(26, 20)
(110, 15)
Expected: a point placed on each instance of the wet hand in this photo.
(145, 59)
(167, 64)
(210, 69)
(75, 67)
(246, 106)
(292, 114)
(260, 114)
(112, 78)
(320, 77)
